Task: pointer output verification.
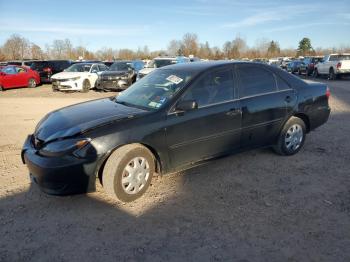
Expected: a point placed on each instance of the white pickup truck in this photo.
(333, 65)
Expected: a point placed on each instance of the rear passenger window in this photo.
(255, 80)
(281, 84)
(212, 88)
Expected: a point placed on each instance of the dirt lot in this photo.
(255, 206)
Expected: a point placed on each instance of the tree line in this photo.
(17, 47)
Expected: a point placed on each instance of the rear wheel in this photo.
(332, 75)
(86, 86)
(128, 172)
(291, 138)
(31, 83)
(2, 89)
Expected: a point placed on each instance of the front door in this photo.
(211, 129)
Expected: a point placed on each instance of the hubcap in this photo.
(135, 175)
(294, 137)
(31, 83)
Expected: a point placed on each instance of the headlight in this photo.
(74, 78)
(61, 147)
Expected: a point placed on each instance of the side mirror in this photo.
(186, 105)
(94, 71)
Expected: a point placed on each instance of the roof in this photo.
(198, 66)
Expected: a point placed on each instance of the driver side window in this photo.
(212, 88)
(94, 69)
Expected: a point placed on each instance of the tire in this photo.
(291, 138)
(31, 83)
(115, 171)
(299, 72)
(316, 73)
(86, 86)
(2, 89)
(332, 75)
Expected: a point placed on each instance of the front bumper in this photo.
(115, 84)
(59, 175)
(66, 85)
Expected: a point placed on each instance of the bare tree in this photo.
(227, 49)
(239, 46)
(190, 43)
(36, 52)
(16, 47)
(174, 47)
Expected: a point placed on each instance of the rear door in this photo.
(211, 129)
(266, 101)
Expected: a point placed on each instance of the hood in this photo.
(147, 70)
(67, 75)
(76, 119)
(114, 73)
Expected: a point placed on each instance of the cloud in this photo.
(76, 29)
(293, 27)
(271, 14)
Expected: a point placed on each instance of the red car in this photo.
(18, 76)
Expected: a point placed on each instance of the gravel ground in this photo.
(254, 206)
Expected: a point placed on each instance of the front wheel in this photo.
(128, 172)
(291, 138)
(31, 83)
(86, 86)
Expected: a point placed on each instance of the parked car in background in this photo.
(294, 67)
(173, 119)
(78, 77)
(308, 65)
(119, 76)
(159, 62)
(47, 68)
(108, 63)
(27, 62)
(12, 76)
(284, 63)
(333, 65)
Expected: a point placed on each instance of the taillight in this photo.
(328, 92)
(47, 69)
(339, 65)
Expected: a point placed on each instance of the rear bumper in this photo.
(59, 175)
(343, 72)
(319, 116)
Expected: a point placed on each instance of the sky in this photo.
(132, 24)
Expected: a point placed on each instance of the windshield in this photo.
(156, 63)
(154, 90)
(344, 57)
(79, 68)
(39, 65)
(120, 66)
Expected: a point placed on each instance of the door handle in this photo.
(233, 112)
(288, 99)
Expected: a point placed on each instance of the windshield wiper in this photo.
(132, 105)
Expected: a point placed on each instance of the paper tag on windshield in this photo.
(174, 79)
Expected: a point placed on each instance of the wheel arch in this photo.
(305, 119)
(102, 162)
